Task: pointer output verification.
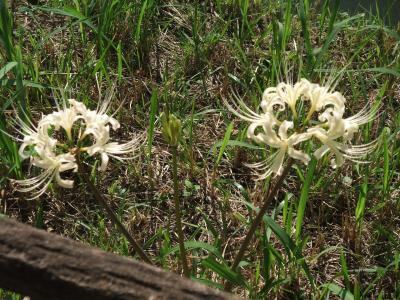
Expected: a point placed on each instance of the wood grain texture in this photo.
(46, 266)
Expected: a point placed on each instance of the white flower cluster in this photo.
(324, 122)
(54, 157)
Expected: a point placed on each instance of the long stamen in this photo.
(263, 168)
(247, 114)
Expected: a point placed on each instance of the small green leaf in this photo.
(339, 291)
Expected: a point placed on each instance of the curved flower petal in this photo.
(270, 99)
(68, 184)
(268, 136)
(104, 161)
(321, 151)
(299, 155)
(283, 129)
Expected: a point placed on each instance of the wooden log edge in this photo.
(43, 265)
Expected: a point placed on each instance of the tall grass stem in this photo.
(103, 202)
(178, 216)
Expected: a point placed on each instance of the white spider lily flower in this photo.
(281, 141)
(39, 142)
(320, 97)
(54, 157)
(340, 150)
(284, 93)
(341, 128)
(329, 144)
(52, 166)
(329, 128)
(96, 124)
(95, 120)
(64, 118)
(33, 137)
(113, 149)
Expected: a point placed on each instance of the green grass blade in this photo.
(339, 291)
(234, 143)
(9, 66)
(288, 22)
(191, 245)
(289, 246)
(225, 142)
(73, 13)
(304, 197)
(153, 113)
(140, 20)
(384, 70)
(362, 198)
(6, 31)
(224, 271)
(333, 15)
(303, 13)
(345, 271)
(119, 58)
(386, 161)
(331, 36)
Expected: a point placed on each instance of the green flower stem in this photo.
(100, 199)
(178, 216)
(257, 220)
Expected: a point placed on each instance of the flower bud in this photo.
(171, 128)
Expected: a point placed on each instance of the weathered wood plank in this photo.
(46, 266)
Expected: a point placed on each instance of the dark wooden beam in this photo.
(46, 266)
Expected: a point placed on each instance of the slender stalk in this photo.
(103, 202)
(178, 216)
(257, 221)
